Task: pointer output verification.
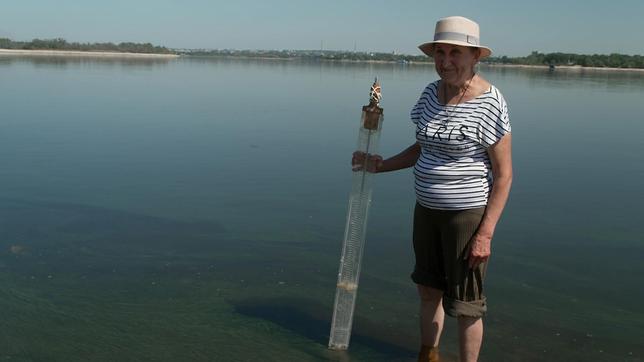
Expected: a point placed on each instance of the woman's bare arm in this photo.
(406, 158)
(501, 158)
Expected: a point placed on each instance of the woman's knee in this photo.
(429, 294)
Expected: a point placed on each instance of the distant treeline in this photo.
(595, 60)
(62, 44)
(535, 58)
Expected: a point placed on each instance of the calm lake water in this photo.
(194, 209)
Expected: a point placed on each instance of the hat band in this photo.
(453, 36)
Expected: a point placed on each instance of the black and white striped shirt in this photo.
(453, 171)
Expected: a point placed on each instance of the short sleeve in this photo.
(417, 110)
(496, 122)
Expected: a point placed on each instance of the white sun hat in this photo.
(456, 30)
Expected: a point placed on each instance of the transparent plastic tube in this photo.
(355, 231)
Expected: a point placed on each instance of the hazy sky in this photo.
(509, 27)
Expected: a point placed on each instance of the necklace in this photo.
(454, 106)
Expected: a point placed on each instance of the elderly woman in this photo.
(463, 170)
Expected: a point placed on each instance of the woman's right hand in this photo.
(374, 162)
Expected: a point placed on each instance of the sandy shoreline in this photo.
(101, 54)
(74, 53)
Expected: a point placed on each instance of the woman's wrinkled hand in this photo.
(373, 162)
(479, 250)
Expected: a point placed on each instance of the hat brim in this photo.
(428, 48)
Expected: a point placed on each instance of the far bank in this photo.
(76, 53)
(130, 55)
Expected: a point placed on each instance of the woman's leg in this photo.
(429, 275)
(432, 315)
(464, 296)
(470, 332)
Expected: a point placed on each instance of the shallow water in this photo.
(193, 209)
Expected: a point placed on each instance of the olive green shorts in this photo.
(441, 245)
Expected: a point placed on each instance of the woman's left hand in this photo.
(479, 250)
